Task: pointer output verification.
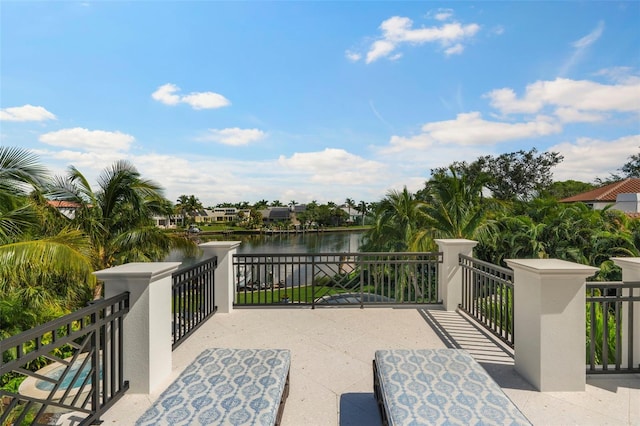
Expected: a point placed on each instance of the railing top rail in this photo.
(338, 254)
(195, 266)
(613, 284)
(496, 268)
(50, 326)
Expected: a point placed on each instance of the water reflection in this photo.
(323, 242)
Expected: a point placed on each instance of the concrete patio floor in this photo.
(331, 374)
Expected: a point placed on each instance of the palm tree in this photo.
(455, 206)
(45, 267)
(276, 203)
(398, 224)
(362, 208)
(350, 204)
(20, 173)
(188, 205)
(117, 216)
(181, 207)
(262, 204)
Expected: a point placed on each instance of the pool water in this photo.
(56, 373)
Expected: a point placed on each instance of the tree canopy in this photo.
(117, 216)
(520, 175)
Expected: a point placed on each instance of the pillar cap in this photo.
(552, 267)
(455, 241)
(627, 262)
(220, 244)
(149, 270)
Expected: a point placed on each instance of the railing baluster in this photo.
(611, 299)
(487, 296)
(78, 335)
(193, 298)
(313, 278)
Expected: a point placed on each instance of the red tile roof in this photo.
(63, 204)
(607, 193)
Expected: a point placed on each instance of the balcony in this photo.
(331, 374)
(332, 347)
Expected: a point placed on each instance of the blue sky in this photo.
(240, 101)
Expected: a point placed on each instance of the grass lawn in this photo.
(296, 295)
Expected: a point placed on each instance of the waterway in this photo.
(312, 242)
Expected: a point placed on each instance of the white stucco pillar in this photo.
(630, 273)
(147, 326)
(224, 276)
(450, 272)
(549, 322)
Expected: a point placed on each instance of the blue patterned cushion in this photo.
(224, 386)
(441, 386)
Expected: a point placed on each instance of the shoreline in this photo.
(275, 231)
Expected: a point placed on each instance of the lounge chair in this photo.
(439, 386)
(226, 387)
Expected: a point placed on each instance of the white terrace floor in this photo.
(331, 374)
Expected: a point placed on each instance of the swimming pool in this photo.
(73, 378)
(41, 389)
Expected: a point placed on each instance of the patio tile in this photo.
(331, 373)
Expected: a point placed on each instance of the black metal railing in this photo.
(329, 279)
(193, 298)
(610, 332)
(72, 366)
(487, 296)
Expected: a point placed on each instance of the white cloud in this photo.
(586, 158)
(205, 100)
(333, 166)
(590, 38)
(26, 113)
(88, 140)
(353, 56)
(398, 31)
(235, 136)
(471, 129)
(443, 14)
(88, 162)
(454, 50)
(579, 95)
(572, 115)
(507, 102)
(623, 75)
(166, 94)
(580, 46)
(379, 49)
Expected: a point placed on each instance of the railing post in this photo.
(630, 272)
(225, 287)
(450, 272)
(549, 322)
(147, 326)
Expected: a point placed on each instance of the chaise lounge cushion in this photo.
(439, 386)
(225, 386)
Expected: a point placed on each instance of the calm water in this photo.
(330, 242)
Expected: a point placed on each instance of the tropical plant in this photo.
(545, 228)
(454, 205)
(45, 267)
(399, 222)
(117, 217)
(188, 206)
(362, 208)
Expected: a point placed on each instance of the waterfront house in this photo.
(623, 195)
